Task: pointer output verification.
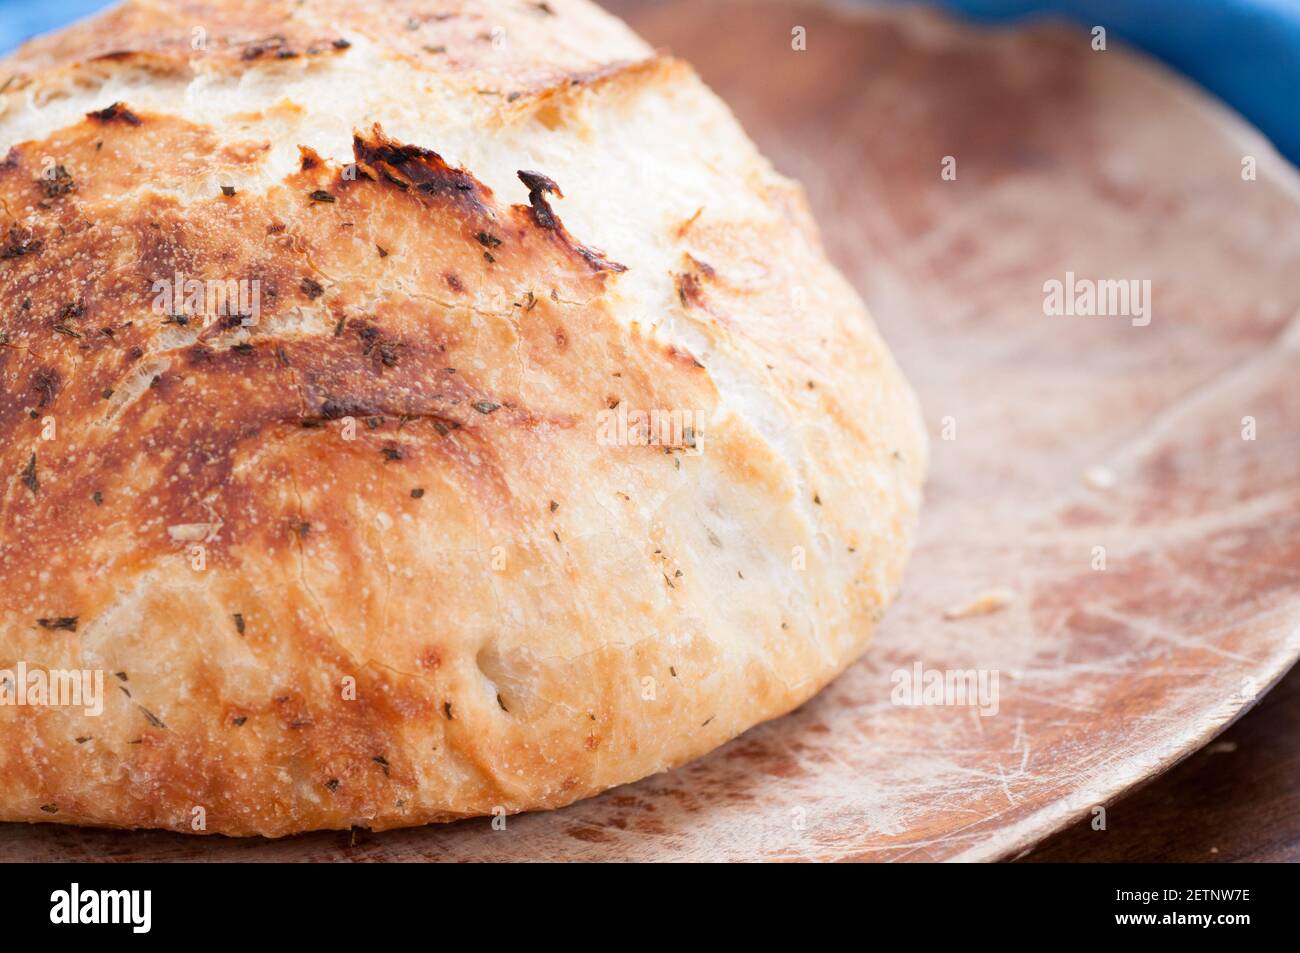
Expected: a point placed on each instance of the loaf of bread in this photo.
(410, 411)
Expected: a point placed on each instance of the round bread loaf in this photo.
(412, 410)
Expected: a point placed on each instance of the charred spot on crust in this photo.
(538, 185)
(278, 46)
(63, 623)
(29, 478)
(118, 112)
(332, 408)
(368, 333)
(57, 182)
(309, 157)
(276, 43)
(544, 216)
(454, 282)
(46, 381)
(414, 167)
(597, 260)
(20, 242)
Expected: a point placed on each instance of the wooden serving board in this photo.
(1068, 160)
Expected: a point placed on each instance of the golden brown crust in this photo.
(365, 560)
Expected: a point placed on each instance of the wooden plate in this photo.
(1073, 437)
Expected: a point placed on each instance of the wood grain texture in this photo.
(1099, 164)
(1234, 800)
